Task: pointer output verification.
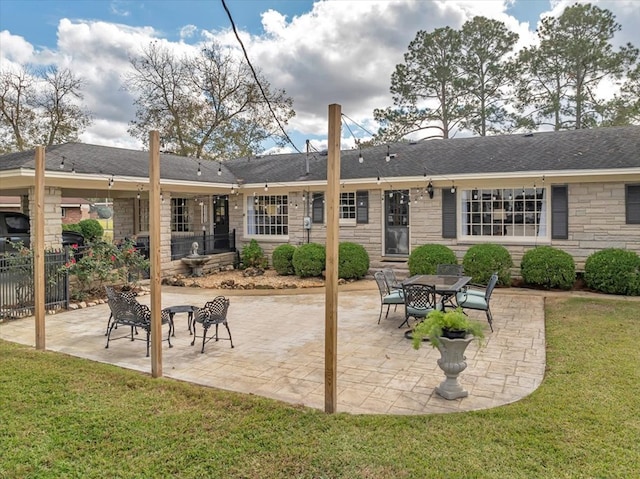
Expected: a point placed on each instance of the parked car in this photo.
(15, 227)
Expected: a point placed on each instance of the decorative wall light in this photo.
(430, 189)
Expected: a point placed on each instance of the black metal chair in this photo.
(212, 313)
(474, 298)
(391, 279)
(111, 294)
(126, 311)
(450, 269)
(419, 300)
(387, 296)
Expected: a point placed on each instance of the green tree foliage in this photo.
(40, 108)
(91, 229)
(206, 106)
(486, 44)
(430, 75)
(451, 79)
(560, 77)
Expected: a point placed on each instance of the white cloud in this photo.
(340, 52)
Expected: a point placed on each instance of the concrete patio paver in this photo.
(279, 351)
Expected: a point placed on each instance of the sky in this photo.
(319, 52)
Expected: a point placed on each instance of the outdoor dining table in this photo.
(445, 286)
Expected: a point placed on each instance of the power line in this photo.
(255, 76)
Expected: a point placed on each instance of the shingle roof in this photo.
(595, 149)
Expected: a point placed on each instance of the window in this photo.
(317, 208)
(143, 215)
(632, 204)
(512, 212)
(179, 215)
(347, 207)
(362, 207)
(268, 215)
(353, 207)
(559, 212)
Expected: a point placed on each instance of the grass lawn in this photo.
(67, 417)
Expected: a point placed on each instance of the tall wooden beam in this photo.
(154, 247)
(38, 249)
(331, 271)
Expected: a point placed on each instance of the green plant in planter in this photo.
(437, 323)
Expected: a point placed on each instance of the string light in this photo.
(62, 163)
(388, 157)
(378, 180)
(453, 188)
(219, 169)
(266, 187)
(360, 158)
(199, 173)
(73, 169)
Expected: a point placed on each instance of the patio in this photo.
(279, 350)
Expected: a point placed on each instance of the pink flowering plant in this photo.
(104, 263)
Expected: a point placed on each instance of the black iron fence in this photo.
(16, 283)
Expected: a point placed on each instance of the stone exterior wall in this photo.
(596, 221)
(52, 217)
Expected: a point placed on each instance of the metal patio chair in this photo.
(212, 313)
(419, 300)
(474, 298)
(387, 297)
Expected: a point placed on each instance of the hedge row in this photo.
(612, 270)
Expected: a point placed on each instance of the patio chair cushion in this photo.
(471, 301)
(394, 297)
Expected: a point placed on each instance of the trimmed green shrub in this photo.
(253, 255)
(549, 267)
(353, 261)
(282, 259)
(424, 259)
(613, 271)
(309, 260)
(482, 260)
(72, 227)
(91, 229)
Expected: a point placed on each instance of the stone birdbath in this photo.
(194, 260)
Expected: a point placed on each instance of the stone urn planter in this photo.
(450, 332)
(452, 361)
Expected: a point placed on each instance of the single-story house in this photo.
(576, 190)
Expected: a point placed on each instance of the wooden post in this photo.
(38, 249)
(331, 271)
(154, 251)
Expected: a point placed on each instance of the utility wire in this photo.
(255, 76)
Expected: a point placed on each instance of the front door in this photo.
(396, 220)
(221, 222)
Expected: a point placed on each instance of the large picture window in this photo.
(268, 215)
(510, 212)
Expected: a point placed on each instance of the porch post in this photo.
(154, 254)
(331, 277)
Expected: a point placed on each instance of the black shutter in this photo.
(632, 204)
(449, 211)
(362, 206)
(317, 208)
(559, 212)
